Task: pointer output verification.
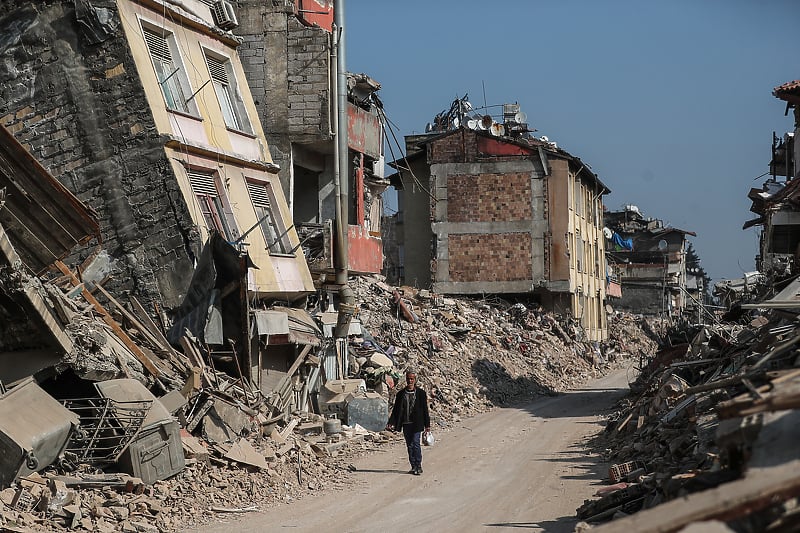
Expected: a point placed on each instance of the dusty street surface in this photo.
(505, 470)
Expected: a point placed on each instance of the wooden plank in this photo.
(116, 328)
(759, 489)
(129, 316)
(151, 326)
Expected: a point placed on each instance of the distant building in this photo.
(497, 211)
(649, 261)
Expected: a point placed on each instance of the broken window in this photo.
(210, 202)
(170, 73)
(230, 102)
(785, 239)
(275, 233)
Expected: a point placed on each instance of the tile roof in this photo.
(789, 91)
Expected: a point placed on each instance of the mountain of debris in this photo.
(472, 355)
(707, 438)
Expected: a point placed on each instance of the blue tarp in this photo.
(624, 244)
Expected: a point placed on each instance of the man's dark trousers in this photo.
(412, 443)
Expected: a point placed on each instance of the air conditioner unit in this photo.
(224, 16)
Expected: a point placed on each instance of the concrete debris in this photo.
(249, 448)
(708, 433)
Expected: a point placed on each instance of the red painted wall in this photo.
(365, 251)
(319, 12)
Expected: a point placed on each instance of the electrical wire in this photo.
(408, 167)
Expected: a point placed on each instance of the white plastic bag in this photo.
(427, 438)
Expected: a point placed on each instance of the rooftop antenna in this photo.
(483, 84)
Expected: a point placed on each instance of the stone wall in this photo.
(287, 68)
(73, 98)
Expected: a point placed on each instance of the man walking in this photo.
(410, 412)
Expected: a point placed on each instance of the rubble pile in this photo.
(476, 354)
(224, 447)
(708, 432)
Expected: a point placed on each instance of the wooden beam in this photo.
(758, 490)
(115, 327)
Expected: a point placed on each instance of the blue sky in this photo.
(669, 102)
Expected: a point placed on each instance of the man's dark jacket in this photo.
(420, 418)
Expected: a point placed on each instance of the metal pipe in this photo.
(347, 306)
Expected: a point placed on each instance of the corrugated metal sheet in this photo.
(43, 219)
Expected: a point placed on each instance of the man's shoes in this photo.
(416, 470)
(413, 471)
(419, 470)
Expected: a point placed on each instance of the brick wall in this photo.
(489, 197)
(78, 106)
(489, 257)
(459, 147)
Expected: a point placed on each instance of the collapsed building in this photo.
(776, 202)
(648, 261)
(486, 207)
(176, 166)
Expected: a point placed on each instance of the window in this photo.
(210, 201)
(230, 102)
(275, 233)
(169, 72)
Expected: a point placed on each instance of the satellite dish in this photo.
(498, 130)
(456, 123)
(428, 127)
(472, 124)
(520, 117)
(544, 138)
(467, 105)
(662, 245)
(486, 122)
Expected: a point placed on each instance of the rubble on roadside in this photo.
(217, 433)
(708, 432)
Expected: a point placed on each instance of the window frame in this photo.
(173, 86)
(226, 89)
(214, 208)
(273, 228)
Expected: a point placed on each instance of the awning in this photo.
(286, 325)
(329, 324)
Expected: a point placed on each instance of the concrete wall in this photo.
(77, 104)
(417, 236)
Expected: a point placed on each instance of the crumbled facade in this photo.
(777, 202)
(288, 53)
(176, 151)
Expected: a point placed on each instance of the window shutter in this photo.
(203, 183)
(258, 193)
(158, 46)
(217, 69)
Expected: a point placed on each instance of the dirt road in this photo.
(505, 470)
